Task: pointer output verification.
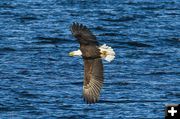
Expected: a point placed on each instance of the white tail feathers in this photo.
(107, 53)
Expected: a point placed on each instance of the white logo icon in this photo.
(172, 111)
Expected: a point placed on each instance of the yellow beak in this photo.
(71, 54)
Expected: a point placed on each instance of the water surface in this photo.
(40, 80)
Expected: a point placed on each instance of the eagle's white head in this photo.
(107, 53)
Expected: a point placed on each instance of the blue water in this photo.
(39, 80)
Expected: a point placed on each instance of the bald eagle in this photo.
(92, 55)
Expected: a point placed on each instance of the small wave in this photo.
(74, 14)
(128, 101)
(153, 7)
(27, 94)
(155, 53)
(137, 44)
(122, 19)
(7, 13)
(176, 94)
(28, 18)
(6, 6)
(139, 3)
(5, 108)
(120, 83)
(7, 49)
(100, 28)
(163, 73)
(23, 72)
(47, 40)
(109, 34)
(77, 83)
(106, 13)
(174, 40)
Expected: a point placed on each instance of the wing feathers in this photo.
(83, 34)
(93, 80)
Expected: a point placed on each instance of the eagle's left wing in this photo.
(83, 34)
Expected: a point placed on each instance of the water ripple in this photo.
(40, 80)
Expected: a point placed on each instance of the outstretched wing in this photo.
(93, 80)
(83, 34)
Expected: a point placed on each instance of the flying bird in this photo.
(92, 54)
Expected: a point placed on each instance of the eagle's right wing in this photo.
(93, 80)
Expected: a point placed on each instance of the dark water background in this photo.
(39, 80)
